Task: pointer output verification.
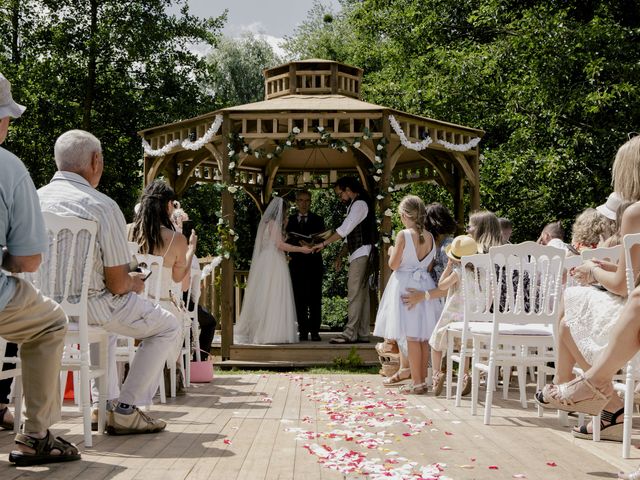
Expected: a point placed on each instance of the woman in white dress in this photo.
(268, 310)
(592, 309)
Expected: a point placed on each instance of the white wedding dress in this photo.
(268, 312)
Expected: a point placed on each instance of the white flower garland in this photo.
(418, 146)
(186, 143)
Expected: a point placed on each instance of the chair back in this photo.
(476, 288)
(65, 272)
(570, 262)
(629, 243)
(527, 278)
(133, 247)
(153, 284)
(610, 254)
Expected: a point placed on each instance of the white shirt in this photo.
(356, 213)
(556, 242)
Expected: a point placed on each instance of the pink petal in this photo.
(493, 467)
(552, 464)
(227, 441)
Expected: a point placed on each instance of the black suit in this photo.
(306, 275)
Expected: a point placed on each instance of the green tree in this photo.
(107, 66)
(554, 85)
(237, 66)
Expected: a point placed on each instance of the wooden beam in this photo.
(157, 166)
(447, 179)
(466, 168)
(227, 303)
(475, 189)
(183, 179)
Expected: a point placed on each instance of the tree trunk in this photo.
(15, 29)
(90, 87)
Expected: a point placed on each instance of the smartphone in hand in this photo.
(146, 272)
(187, 228)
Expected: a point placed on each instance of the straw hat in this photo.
(608, 209)
(462, 245)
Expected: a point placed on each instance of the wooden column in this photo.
(227, 300)
(458, 200)
(385, 225)
(475, 190)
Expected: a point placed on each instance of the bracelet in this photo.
(593, 275)
(427, 295)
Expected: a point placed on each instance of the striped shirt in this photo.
(71, 195)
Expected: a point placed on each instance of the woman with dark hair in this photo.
(155, 234)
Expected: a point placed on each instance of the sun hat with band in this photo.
(609, 208)
(460, 246)
(8, 107)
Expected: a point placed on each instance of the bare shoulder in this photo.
(631, 219)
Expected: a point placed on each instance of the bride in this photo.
(268, 310)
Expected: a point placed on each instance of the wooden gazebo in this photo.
(311, 129)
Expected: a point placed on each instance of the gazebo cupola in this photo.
(312, 77)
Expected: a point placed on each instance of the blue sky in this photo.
(271, 19)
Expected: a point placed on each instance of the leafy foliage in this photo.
(552, 83)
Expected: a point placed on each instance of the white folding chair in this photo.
(73, 239)
(191, 306)
(16, 374)
(476, 294)
(627, 387)
(526, 279)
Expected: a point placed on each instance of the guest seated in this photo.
(553, 234)
(590, 314)
(590, 229)
(28, 319)
(616, 238)
(113, 301)
(593, 391)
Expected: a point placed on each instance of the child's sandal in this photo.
(420, 389)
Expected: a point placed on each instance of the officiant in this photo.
(306, 270)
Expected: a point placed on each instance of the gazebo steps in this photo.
(303, 354)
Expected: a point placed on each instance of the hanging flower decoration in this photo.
(227, 238)
(187, 144)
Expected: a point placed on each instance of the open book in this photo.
(312, 239)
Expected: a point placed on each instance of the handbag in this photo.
(201, 371)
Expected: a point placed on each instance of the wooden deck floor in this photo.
(256, 426)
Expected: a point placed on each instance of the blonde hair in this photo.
(414, 209)
(486, 230)
(626, 170)
(590, 228)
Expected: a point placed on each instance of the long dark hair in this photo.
(152, 216)
(439, 220)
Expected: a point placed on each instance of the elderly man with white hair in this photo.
(113, 301)
(34, 322)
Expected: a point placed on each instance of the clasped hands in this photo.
(583, 274)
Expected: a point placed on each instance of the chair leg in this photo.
(85, 404)
(475, 379)
(506, 380)
(449, 374)
(595, 422)
(522, 385)
(628, 412)
(540, 380)
(17, 401)
(491, 381)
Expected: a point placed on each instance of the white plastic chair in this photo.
(627, 387)
(193, 297)
(611, 254)
(64, 276)
(477, 298)
(16, 374)
(522, 333)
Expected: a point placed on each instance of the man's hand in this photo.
(412, 297)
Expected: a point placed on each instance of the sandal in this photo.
(466, 385)
(385, 349)
(4, 424)
(398, 377)
(43, 448)
(414, 389)
(560, 397)
(438, 382)
(611, 430)
(629, 476)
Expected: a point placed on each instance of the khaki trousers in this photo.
(357, 327)
(38, 325)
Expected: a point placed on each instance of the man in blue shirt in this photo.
(36, 323)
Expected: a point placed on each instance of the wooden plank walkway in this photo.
(280, 425)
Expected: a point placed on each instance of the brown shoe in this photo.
(438, 382)
(466, 385)
(136, 422)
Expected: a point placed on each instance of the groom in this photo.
(306, 270)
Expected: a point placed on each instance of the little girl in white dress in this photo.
(409, 259)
